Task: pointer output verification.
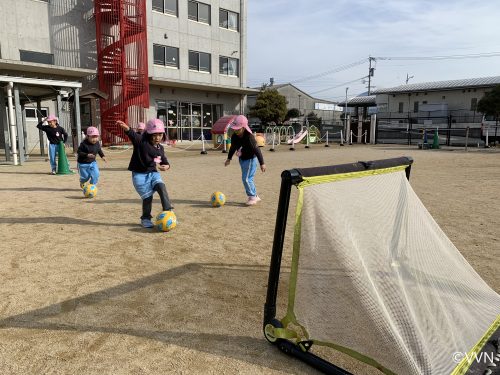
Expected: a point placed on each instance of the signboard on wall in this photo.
(324, 106)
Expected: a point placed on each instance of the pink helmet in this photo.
(141, 126)
(155, 126)
(52, 118)
(92, 131)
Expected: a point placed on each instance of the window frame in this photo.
(27, 53)
(165, 61)
(221, 69)
(198, 66)
(167, 11)
(197, 17)
(221, 25)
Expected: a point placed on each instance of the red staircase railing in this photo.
(122, 60)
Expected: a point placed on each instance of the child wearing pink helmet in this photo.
(87, 152)
(243, 142)
(55, 135)
(147, 159)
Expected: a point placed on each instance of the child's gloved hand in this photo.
(164, 167)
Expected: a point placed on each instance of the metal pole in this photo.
(466, 137)
(293, 144)
(19, 123)
(12, 119)
(345, 111)
(307, 135)
(350, 141)
(327, 145)
(341, 138)
(77, 119)
(40, 133)
(4, 124)
(224, 138)
(274, 137)
(203, 152)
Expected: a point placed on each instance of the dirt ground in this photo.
(85, 290)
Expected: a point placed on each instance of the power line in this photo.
(449, 57)
(339, 85)
(335, 70)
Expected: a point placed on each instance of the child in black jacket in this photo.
(148, 157)
(55, 135)
(87, 152)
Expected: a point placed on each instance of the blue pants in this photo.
(88, 172)
(248, 169)
(53, 150)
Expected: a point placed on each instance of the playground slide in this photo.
(298, 137)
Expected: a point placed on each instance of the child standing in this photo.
(147, 158)
(87, 152)
(244, 144)
(55, 135)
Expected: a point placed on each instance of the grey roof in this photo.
(442, 85)
(360, 101)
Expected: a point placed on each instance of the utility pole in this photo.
(345, 116)
(370, 72)
(408, 78)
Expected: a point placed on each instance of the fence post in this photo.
(466, 137)
(341, 138)
(327, 145)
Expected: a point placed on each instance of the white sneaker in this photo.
(252, 201)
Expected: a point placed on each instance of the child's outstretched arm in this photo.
(122, 125)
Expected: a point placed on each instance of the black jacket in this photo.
(248, 146)
(54, 135)
(145, 154)
(86, 148)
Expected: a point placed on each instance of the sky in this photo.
(301, 41)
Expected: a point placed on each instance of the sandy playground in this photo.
(85, 290)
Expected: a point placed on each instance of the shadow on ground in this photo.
(212, 308)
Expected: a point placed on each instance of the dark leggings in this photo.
(147, 203)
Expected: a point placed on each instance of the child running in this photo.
(147, 158)
(55, 135)
(244, 144)
(87, 152)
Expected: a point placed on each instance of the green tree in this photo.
(269, 106)
(313, 119)
(490, 103)
(292, 113)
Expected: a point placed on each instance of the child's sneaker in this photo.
(147, 223)
(82, 184)
(53, 172)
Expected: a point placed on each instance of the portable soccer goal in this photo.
(373, 276)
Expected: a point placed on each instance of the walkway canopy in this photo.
(15, 93)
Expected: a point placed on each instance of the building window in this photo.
(401, 107)
(229, 66)
(36, 57)
(32, 113)
(165, 6)
(473, 104)
(199, 61)
(199, 12)
(166, 56)
(443, 97)
(415, 107)
(228, 19)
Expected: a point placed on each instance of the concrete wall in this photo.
(189, 35)
(64, 28)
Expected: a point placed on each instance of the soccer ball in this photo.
(90, 191)
(218, 199)
(165, 221)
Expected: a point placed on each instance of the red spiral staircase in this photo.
(122, 60)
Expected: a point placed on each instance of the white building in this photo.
(196, 64)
